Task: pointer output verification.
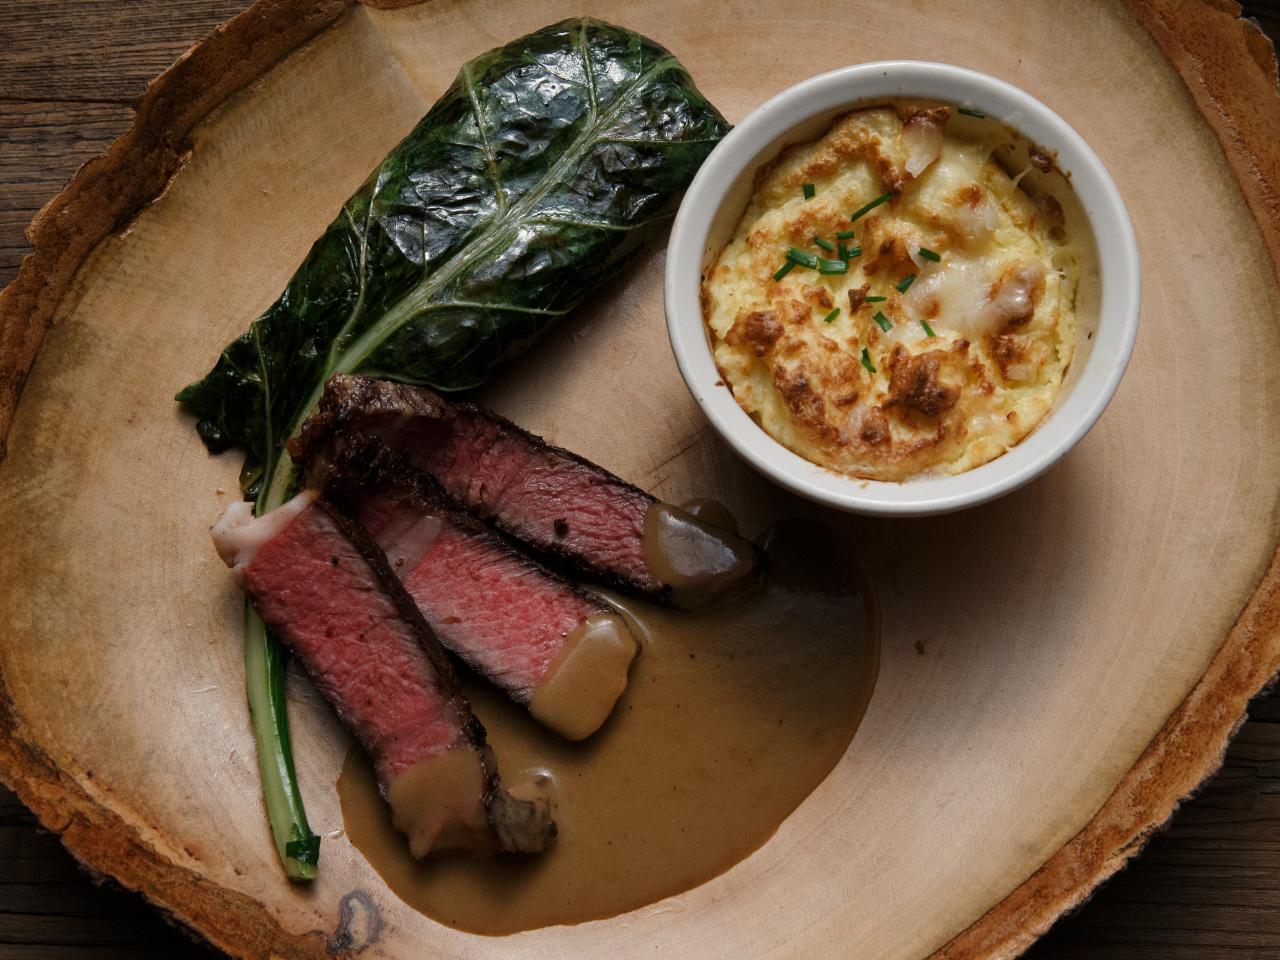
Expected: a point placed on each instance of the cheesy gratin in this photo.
(892, 303)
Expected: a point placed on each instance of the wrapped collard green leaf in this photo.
(532, 181)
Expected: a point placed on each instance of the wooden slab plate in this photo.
(1059, 668)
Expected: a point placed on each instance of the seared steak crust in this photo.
(447, 679)
(458, 443)
(354, 463)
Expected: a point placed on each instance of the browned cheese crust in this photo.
(945, 340)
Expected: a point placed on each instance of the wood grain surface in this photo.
(1209, 887)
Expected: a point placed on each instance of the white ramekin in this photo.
(719, 194)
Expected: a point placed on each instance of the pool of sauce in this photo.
(731, 718)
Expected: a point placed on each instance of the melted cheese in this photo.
(1000, 301)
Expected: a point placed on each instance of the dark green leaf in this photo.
(538, 174)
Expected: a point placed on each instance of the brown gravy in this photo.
(730, 720)
(436, 802)
(704, 563)
(586, 678)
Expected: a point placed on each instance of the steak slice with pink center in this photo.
(558, 650)
(570, 511)
(325, 590)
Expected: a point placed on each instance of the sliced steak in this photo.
(325, 590)
(565, 508)
(558, 650)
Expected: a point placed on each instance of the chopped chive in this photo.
(832, 266)
(846, 253)
(844, 234)
(854, 252)
(928, 330)
(802, 258)
(831, 316)
(882, 322)
(905, 282)
(784, 270)
(973, 113)
(809, 191)
(875, 299)
(866, 361)
(867, 208)
(930, 254)
(825, 244)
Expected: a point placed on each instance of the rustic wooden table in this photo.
(1208, 888)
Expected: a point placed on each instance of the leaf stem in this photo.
(265, 661)
(264, 664)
